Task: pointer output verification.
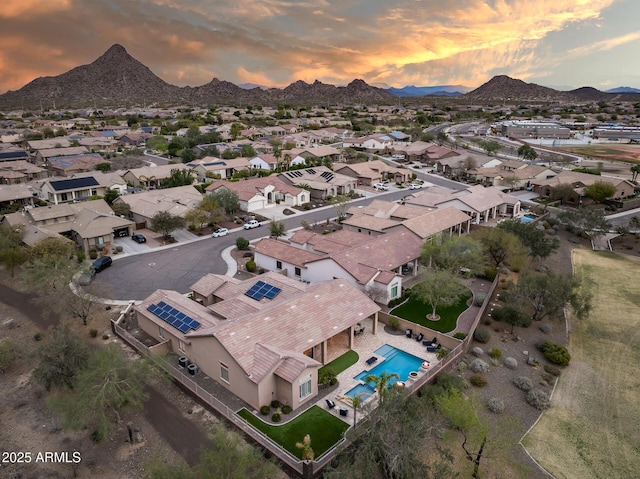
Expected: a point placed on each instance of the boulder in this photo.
(511, 363)
(479, 366)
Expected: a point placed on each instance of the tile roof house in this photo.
(370, 172)
(20, 171)
(544, 187)
(262, 342)
(508, 177)
(258, 193)
(320, 181)
(479, 202)
(375, 265)
(15, 196)
(176, 201)
(43, 154)
(151, 176)
(71, 164)
(91, 224)
(55, 190)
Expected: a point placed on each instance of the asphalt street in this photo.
(177, 268)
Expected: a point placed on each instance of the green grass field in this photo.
(323, 428)
(592, 429)
(341, 363)
(416, 312)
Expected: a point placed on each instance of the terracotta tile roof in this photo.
(290, 326)
(385, 277)
(436, 221)
(368, 222)
(210, 283)
(285, 252)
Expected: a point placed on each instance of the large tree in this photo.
(62, 356)
(277, 229)
(539, 244)
(179, 177)
(549, 293)
(585, 220)
(439, 288)
(226, 199)
(165, 223)
(526, 152)
(453, 253)
(502, 247)
(341, 203)
(600, 191)
(108, 384)
(50, 266)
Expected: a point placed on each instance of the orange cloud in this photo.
(16, 8)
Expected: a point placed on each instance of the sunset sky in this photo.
(559, 43)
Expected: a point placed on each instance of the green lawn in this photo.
(416, 312)
(341, 363)
(323, 428)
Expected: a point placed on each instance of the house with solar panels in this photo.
(262, 339)
(58, 191)
(320, 181)
(257, 193)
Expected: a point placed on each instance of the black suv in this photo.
(138, 238)
(101, 263)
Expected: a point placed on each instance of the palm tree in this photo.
(287, 160)
(635, 170)
(307, 453)
(382, 383)
(634, 223)
(356, 403)
(277, 153)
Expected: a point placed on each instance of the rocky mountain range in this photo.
(504, 88)
(118, 79)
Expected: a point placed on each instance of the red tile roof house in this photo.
(258, 193)
(259, 347)
(321, 181)
(374, 265)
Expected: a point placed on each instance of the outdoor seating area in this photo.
(371, 360)
(344, 412)
(359, 329)
(433, 342)
(330, 403)
(433, 349)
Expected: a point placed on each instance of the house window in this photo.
(394, 291)
(278, 264)
(305, 386)
(297, 271)
(160, 332)
(63, 197)
(181, 346)
(100, 242)
(224, 372)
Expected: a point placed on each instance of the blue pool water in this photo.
(363, 389)
(396, 361)
(528, 218)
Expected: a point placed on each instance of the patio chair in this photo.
(433, 349)
(419, 337)
(330, 403)
(371, 360)
(409, 333)
(344, 412)
(358, 331)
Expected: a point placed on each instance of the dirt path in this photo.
(181, 435)
(186, 438)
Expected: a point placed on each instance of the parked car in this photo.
(381, 186)
(101, 263)
(138, 238)
(415, 186)
(220, 232)
(251, 224)
(121, 233)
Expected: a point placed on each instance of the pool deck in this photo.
(365, 345)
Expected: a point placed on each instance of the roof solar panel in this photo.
(161, 304)
(195, 324)
(183, 328)
(173, 317)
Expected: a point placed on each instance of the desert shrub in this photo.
(93, 333)
(556, 353)
(538, 399)
(554, 371)
(286, 409)
(7, 355)
(442, 353)
(119, 249)
(93, 254)
(548, 378)
(251, 266)
(105, 336)
(495, 353)
(511, 363)
(545, 328)
(495, 405)
(523, 383)
(487, 321)
(460, 336)
(478, 380)
(479, 366)
(494, 362)
(394, 323)
(477, 352)
(242, 243)
(81, 256)
(462, 366)
(37, 336)
(540, 345)
(275, 404)
(482, 335)
(479, 299)
(327, 376)
(264, 410)
(276, 417)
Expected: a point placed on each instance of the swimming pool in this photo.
(528, 218)
(395, 361)
(361, 389)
